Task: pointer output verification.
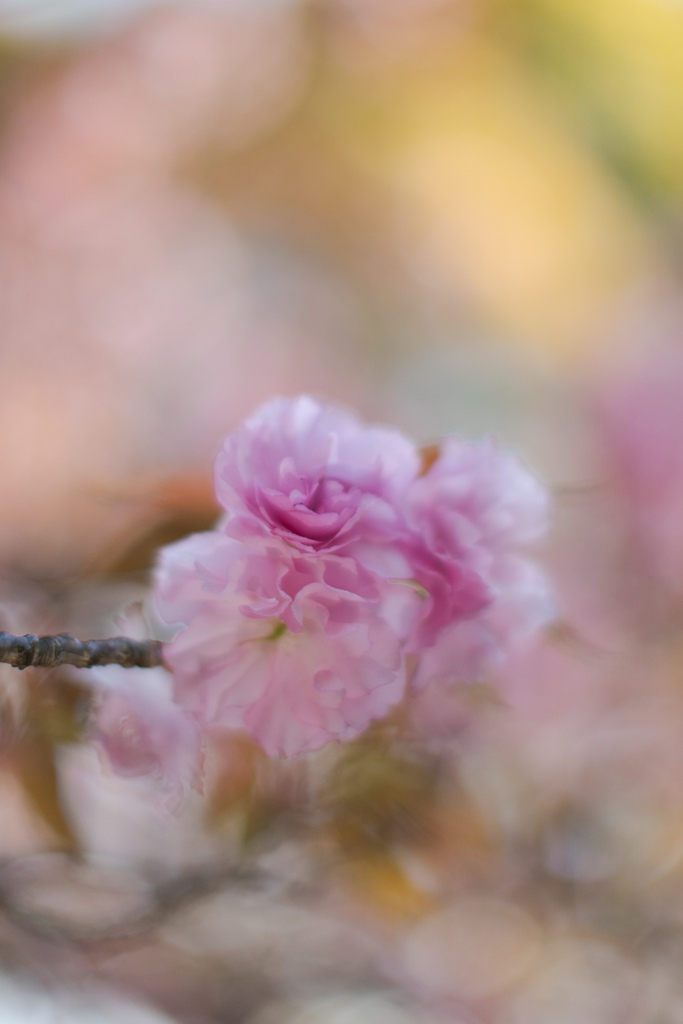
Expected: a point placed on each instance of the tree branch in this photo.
(160, 902)
(31, 651)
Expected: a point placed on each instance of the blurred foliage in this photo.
(616, 69)
(378, 796)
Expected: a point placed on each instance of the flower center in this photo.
(316, 513)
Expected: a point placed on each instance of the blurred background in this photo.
(453, 215)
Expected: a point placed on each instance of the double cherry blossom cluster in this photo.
(348, 567)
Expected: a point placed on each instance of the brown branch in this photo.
(31, 651)
(161, 902)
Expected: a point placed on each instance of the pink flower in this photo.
(296, 650)
(471, 514)
(315, 476)
(335, 562)
(144, 732)
(640, 415)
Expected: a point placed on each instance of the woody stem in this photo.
(64, 649)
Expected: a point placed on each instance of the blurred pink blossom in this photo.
(138, 102)
(640, 414)
(143, 732)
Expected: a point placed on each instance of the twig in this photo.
(161, 902)
(31, 651)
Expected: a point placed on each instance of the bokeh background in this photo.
(454, 215)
